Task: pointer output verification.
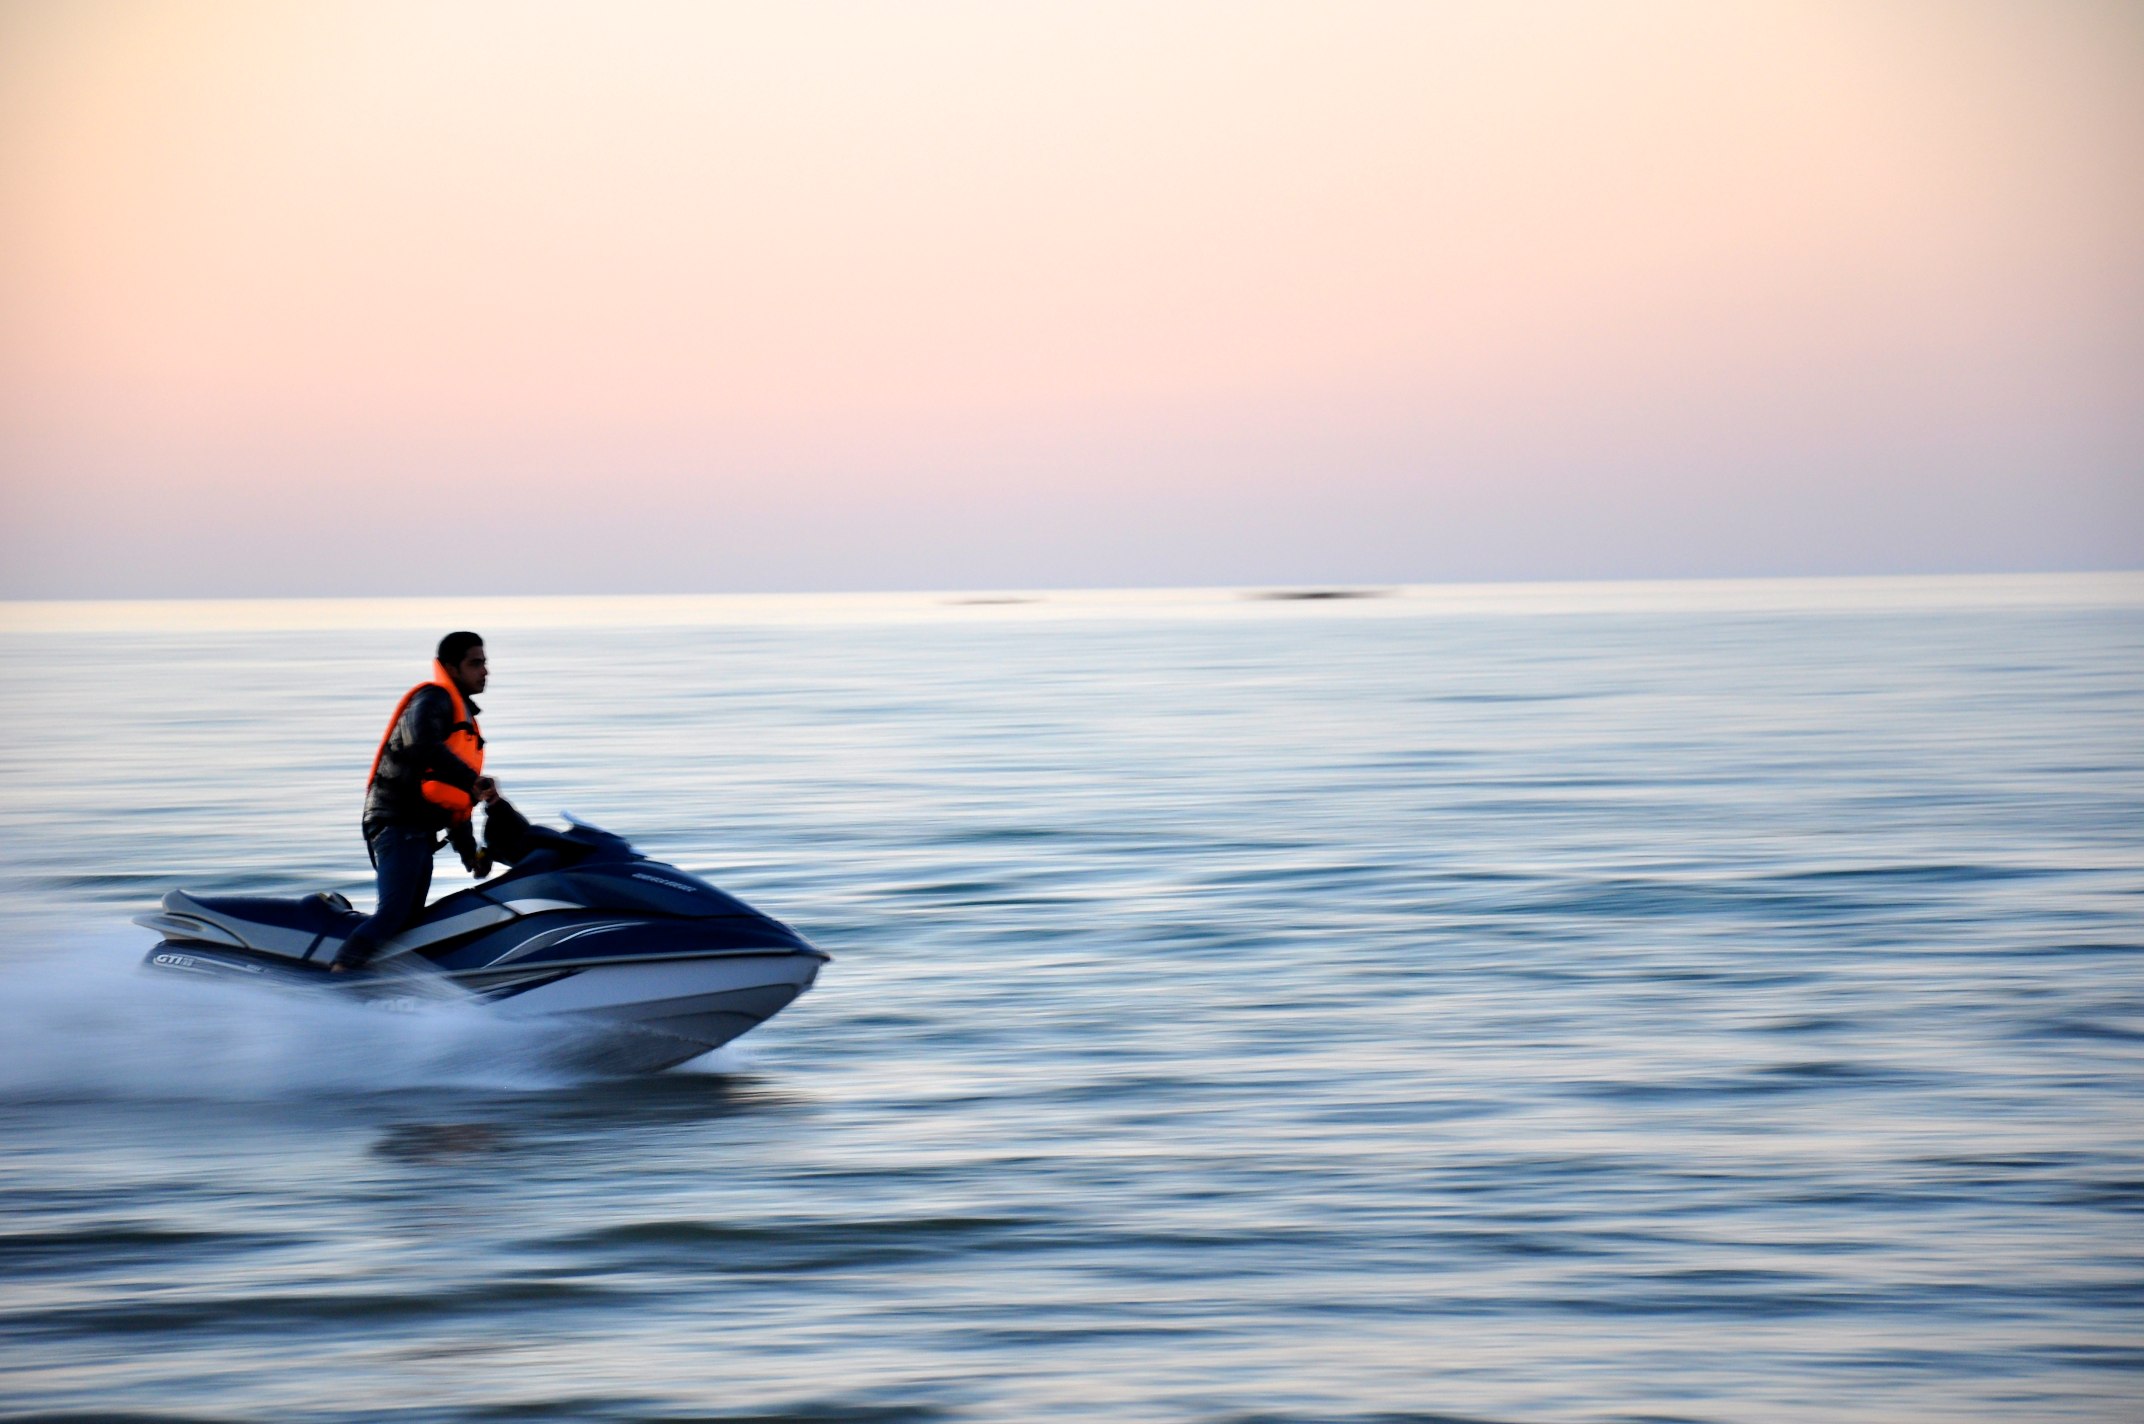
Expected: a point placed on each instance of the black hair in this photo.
(455, 646)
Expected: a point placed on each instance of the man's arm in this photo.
(425, 728)
(462, 836)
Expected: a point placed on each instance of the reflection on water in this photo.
(443, 1141)
(1693, 1002)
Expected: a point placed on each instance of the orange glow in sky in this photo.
(533, 296)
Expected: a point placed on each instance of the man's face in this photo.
(471, 673)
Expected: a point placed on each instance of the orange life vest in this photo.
(463, 740)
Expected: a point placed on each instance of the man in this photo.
(426, 778)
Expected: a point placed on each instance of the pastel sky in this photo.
(544, 296)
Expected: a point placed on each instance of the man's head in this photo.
(462, 655)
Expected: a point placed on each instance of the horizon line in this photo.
(1365, 587)
(1832, 593)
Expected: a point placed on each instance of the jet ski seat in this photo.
(324, 912)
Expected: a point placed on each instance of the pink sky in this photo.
(572, 297)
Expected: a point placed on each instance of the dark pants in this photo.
(403, 858)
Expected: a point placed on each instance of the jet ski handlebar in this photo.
(510, 838)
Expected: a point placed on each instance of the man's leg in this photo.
(404, 861)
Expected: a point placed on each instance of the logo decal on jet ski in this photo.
(660, 881)
(187, 961)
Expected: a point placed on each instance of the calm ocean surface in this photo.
(1671, 1003)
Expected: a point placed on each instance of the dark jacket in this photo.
(415, 752)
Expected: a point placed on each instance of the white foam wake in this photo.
(86, 1021)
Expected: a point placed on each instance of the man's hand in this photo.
(480, 866)
(486, 790)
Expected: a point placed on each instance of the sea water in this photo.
(1708, 1002)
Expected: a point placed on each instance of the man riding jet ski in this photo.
(582, 926)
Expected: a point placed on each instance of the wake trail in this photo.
(84, 1021)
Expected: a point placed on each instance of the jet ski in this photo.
(653, 964)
